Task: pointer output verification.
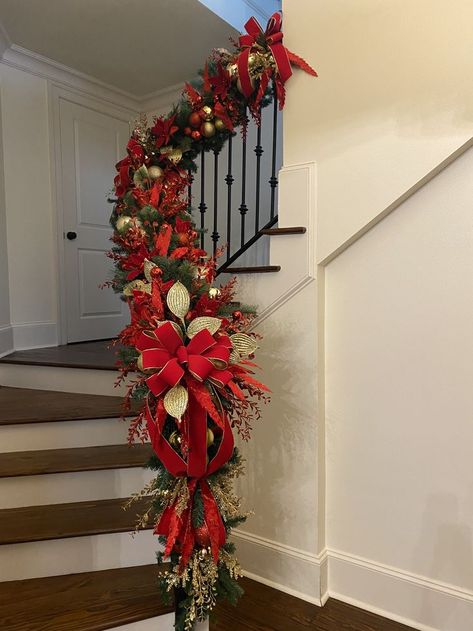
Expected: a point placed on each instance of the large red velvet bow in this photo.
(204, 357)
(179, 530)
(272, 38)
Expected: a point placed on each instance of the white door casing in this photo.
(90, 142)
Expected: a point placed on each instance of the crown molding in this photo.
(36, 64)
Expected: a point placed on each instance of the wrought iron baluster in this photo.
(243, 207)
(259, 152)
(202, 205)
(189, 191)
(215, 235)
(273, 180)
(229, 179)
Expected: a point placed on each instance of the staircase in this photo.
(67, 560)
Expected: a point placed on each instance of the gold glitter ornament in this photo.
(175, 401)
(210, 437)
(206, 113)
(155, 172)
(205, 322)
(232, 70)
(207, 129)
(178, 300)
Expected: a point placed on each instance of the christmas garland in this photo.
(187, 344)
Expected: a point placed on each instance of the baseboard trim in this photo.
(407, 598)
(6, 340)
(27, 335)
(285, 568)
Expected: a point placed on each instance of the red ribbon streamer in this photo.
(272, 38)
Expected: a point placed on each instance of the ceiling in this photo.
(139, 46)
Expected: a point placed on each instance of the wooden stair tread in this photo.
(89, 355)
(24, 405)
(90, 601)
(261, 269)
(61, 521)
(21, 463)
(282, 231)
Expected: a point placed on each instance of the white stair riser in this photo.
(77, 554)
(63, 434)
(160, 623)
(62, 379)
(59, 488)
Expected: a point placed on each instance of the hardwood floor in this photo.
(24, 405)
(96, 355)
(90, 601)
(265, 609)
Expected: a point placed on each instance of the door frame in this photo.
(57, 93)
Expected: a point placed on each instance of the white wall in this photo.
(391, 102)
(399, 401)
(31, 244)
(6, 337)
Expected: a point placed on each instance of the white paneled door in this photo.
(91, 143)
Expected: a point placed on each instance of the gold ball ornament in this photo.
(252, 60)
(214, 292)
(125, 222)
(210, 437)
(155, 172)
(206, 113)
(175, 439)
(219, 124)
(208, 130)
(139, 363)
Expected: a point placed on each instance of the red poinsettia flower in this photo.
(221, 82)
(163, 129)
(135, 151)
(186, 236)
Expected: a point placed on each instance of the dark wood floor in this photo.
(98, 355)
(265, 609)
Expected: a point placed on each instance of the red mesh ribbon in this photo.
(180, 532)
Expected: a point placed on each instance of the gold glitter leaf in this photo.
(178, 300)
(148, 267)
(206, 322)
(172, 153)
(140, 176)
(234, 357)
(175, 401)
(137, 285)
(243, 344)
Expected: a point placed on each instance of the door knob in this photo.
(71, 235)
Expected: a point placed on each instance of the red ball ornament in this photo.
(187, 131)
(196, 134)
(194, 120)
(237, 315)
(202, 536)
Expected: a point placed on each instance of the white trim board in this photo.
(27, 335)
(6, 340)
(422, 603)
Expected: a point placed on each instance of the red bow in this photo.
(272, 38)
(204, 357)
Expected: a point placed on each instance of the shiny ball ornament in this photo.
(196, 135)
(175, 439)
(214, 292)
(206, 113)
(125, 222)
(252, 60)
(194, 120)
(237, 315)
(207, 130)
(219, 124)
(210, 437)
(187, 131)
(155, 172)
